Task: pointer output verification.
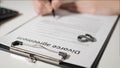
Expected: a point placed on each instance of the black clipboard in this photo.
(68, 65)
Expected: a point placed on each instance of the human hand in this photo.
(100, 7)
(44, 7)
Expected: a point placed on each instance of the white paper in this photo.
(60, 34)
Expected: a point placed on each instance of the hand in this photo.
(100, 7)
(44, 7)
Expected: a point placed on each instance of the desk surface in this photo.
(110, 58)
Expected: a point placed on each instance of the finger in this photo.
(70, 7)
(56, 4)
(47, 5)
(38, 6)
(42, 7)
(86, 6)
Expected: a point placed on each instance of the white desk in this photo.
(110, 58)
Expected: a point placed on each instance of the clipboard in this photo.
(59, 62)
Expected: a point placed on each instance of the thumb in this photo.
(56, 4)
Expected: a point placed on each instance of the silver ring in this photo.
(86, 38)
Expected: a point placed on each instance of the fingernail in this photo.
(49, 8)
(56, 4)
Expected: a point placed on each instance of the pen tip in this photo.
(53, 13)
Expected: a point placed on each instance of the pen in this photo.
(53, 11)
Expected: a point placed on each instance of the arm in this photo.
(99, 7)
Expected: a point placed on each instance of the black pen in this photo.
(53, 11)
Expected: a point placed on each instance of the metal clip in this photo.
(36, 56)
(62, 54)
(16, 43)
(32, 58)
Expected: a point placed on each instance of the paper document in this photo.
(48, 35)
